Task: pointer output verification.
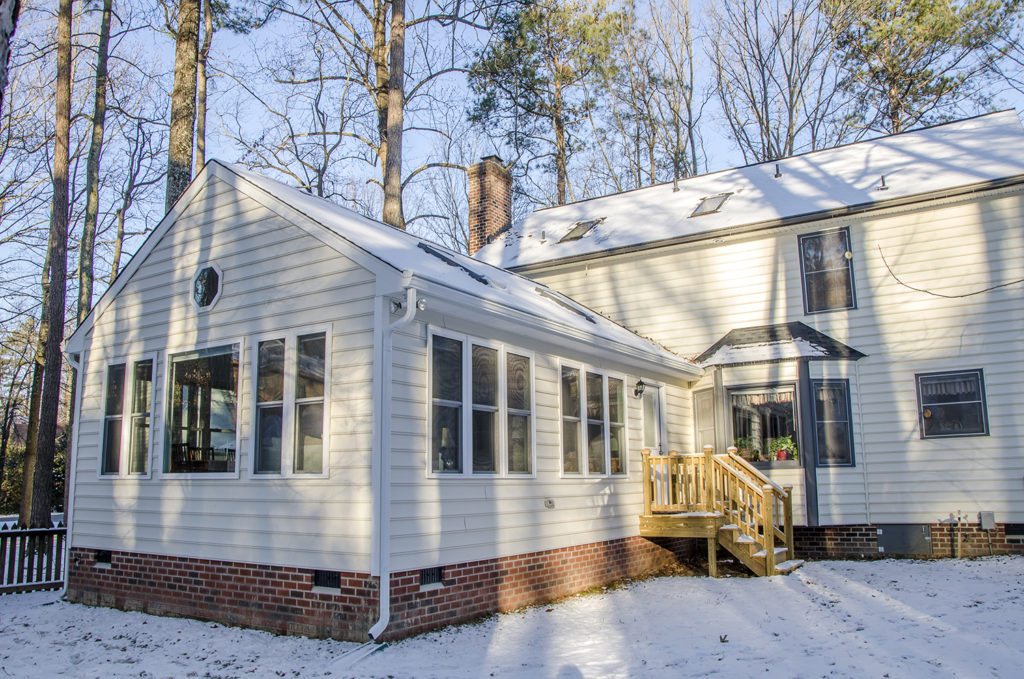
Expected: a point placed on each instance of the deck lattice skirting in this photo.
(283, 600)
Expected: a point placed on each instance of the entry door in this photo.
(704, 414)
(653, 420)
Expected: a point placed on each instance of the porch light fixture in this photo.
(638, 389)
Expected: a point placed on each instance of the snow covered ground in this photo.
(829, 619)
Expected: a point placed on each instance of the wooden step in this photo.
(787, 567)
(763, 553)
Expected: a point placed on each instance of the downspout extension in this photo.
(384, 470)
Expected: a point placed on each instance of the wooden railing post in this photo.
(768, 526)
(648, 491)
(787, 511)
(709, 478)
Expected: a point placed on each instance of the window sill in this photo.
(777, 464)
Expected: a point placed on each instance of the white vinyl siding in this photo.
(689, 296)
(441, 519)
(276, 278)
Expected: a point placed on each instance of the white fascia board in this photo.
(665, 366)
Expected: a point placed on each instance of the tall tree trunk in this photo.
(183, 102)
(381, 72)
(92, 177)
(202, 78)
(36, 393)
(46, 440)
(392, 213)
(561, 152)
(9, 10)
(87, 247)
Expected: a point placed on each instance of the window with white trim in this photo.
(130, 393)
(202, 410)
(594, 419)
(291, 392)
(952, 404)
(481, 407)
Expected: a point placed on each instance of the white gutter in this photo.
(72, 461)
(383, 517)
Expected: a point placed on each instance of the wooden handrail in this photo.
(725, 484)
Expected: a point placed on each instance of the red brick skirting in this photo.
(861, 541)
(283, 600)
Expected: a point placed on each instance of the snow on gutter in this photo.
(383, 480)
(664, 363)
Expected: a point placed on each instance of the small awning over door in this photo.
(772, 343)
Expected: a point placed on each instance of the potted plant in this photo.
(747, 447)
(783, 448)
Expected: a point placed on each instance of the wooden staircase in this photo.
(724, 500)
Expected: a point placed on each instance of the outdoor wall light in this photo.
(638, 390)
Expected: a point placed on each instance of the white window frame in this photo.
(165, 433)
(192, 287)
(582, 423)
(289, 404)
(466, 433)
(124, 454)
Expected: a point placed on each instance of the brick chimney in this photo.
(490, 201)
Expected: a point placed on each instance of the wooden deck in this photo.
(724, 500)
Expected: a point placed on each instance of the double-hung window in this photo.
(127, 417)
(292, 374)
(826, 269)
(952, 404)
(594, 420)
(832, 423)
(481, 407)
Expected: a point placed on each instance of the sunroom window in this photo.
(203, 410)
(130, 393)
(290, 397)
(481, 394)
(595, 415)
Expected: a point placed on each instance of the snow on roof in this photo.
(935, 159)
(431, 262)
(770, 343)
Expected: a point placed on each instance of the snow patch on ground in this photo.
(951, 618)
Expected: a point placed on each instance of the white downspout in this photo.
(383, 517)
(72, 459)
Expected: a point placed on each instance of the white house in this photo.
(295, 418)
(860, 309)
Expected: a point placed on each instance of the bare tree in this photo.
(9, 10)
(183, 101)
(46, 440)
(16, 357)
(776, 69)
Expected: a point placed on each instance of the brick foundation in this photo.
(474, 589)
(861, 541)
(283, 600)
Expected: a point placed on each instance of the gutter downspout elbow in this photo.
(384, 477)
